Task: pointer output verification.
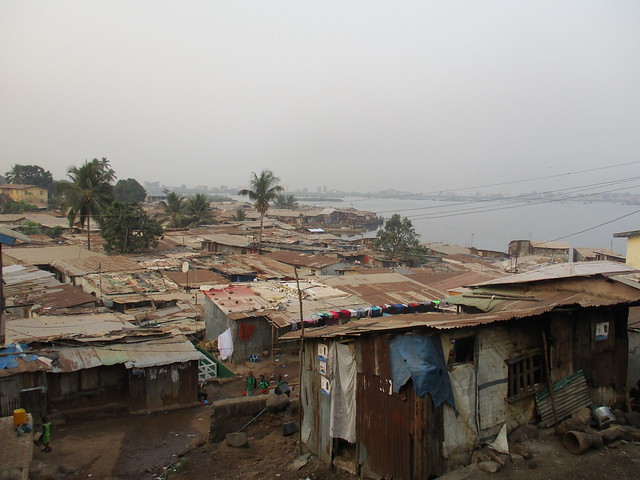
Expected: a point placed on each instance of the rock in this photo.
(237, 440)
(299, 462)
(621, 418)
(583, 416)
(634, 418)
(517, 459)
(496, 458)
(277, 403)
(489, 467)
(522, 451)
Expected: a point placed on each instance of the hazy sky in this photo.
(362, 95)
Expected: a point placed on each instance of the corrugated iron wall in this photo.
(10, 388)
(400, 435)
(316, 407)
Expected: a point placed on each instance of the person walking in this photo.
(250, 384)
(45, 439)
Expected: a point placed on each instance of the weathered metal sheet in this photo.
(570, 394)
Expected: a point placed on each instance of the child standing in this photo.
(46, 434)
(250, 384)
(263, 385)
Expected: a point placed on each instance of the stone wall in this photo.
(230, 415)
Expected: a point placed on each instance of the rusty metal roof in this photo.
(194, 278)
(82, 266)
(302, 259)
(140, 354)
(27, 285)
(63, 326)
(503, 309)
(47, 255)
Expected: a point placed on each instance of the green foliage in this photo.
(240, 215)
(285, 201)
(198, 210)
(129, 190)
(174, 209)
(87, 192)
(55, 231)
(398, 238)
(30, 175)
(262, 190)
(126, 228)
(30, 228)
(9, 206)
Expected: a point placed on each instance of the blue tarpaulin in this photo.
(11, 353)
(420, 358)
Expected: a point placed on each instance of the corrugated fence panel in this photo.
(385, 427)
(570, 395)
(9, 395)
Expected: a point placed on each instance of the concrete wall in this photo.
(633, 251)
(230, 415)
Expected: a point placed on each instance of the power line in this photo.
(510, 182)
(597, 226)
(522, 197)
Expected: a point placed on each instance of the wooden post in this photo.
(549, 381)
(300, 358)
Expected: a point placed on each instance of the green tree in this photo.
(86, 194)
(126, 228)
(174, 209)
(262, 190)
(8, 205)
(30, 228)
(30, 175)
(285, 201)
(129, 190)
(240, 215)
(398, 239)
(198, 210)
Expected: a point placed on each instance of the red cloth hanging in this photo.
(245, 331)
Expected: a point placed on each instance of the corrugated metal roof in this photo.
(562, 270)
(143, 354)
(302, 259)
(229, 240)
(48, 255)
(551, 245)
(194, 278)
(63, 326)
(502, 311)
(82, 266)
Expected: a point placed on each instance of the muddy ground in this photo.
(143, 447)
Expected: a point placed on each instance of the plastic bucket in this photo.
(19, 417)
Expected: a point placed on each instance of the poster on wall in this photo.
(602, 331)
(323, 367)
(325, 385)
(323, 352)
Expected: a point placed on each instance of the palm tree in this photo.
(285, 201)
(174, 208)
(14, 175)
(87, 193)
(240, 215)
(199, 210)
(263, 189)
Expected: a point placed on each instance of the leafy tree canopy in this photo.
(87, 193)
(262, 190)
(29, 175)
(199, 211)
(285, 201)
(7, 205)
(398, 238)
(126, 228)
(129, 190)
